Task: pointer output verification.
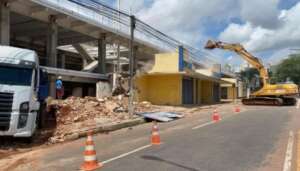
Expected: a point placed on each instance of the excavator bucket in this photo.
(210, 44)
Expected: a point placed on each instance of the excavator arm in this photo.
(239, 49)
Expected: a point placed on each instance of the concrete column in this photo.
(114, 79)
(52, 36)
(102, 54)
(63, 61)
(4, 23)
(103, 89)
(118, 59)
(52, 89)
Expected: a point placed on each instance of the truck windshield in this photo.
(15, 76)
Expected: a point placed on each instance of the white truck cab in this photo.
(19, 85)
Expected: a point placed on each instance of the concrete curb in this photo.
(104, 128)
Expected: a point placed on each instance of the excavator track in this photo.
(263, 101)
(290, 101)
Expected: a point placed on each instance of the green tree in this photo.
(228, 67)
(248, 74)
(289, 69)
(251, 77)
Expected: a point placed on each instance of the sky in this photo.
(267, 28)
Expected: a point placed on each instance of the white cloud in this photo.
(237, 33)
(257, 38)
(229, 58)
(264, 26)
(130, 6)
(183, 20)
(278, 56)
(260, 12)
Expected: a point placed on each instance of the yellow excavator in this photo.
(268, 94)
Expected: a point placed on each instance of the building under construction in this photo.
(89, 44)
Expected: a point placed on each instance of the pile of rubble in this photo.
(75, 114)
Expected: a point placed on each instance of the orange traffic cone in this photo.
(237, 109)
(90, 160)
(216, 116)
(155, 138)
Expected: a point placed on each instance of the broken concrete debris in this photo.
(74, 113)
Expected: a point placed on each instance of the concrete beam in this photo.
(102, 54)
(92, 29)
(83, 53)
(4, 23)
(37, 9)
(13, 1)
(74, 40)
(72, 73)
(62, 16)
(90, 67)
(63, 61)
(77, 24)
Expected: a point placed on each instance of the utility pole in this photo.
(118, 45)
(131, 66)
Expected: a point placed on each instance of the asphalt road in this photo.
(239, 143)
(254, 139)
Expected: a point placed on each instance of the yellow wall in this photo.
(141, 85)
(160, 89)
(166, 63)
(167, 90)
(231, 93)
(206, 92)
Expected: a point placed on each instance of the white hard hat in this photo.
(59, 77)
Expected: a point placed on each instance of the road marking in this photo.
(126, 154)
(212, 122)
(298, 103)
(289, 153)
(203, 125)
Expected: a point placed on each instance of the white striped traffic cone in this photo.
(90, 160)
(216, 116)
(155, 138)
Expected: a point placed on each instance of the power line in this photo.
(155, 37)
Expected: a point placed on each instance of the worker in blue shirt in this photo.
(59, 88)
